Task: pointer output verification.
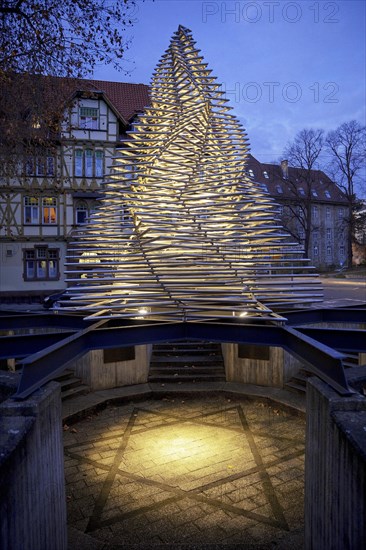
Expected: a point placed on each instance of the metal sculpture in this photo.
(182, 232)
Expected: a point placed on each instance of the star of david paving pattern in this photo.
(200, 471)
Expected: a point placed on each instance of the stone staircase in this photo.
(186, 362)
(298, 382)
(71, 385)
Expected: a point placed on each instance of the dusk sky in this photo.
(285, 65)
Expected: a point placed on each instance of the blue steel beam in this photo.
(44, 365)
(350, 339)
(13, 347)
(41, 320)
(325, 315)
(39, 368)
(322, 360)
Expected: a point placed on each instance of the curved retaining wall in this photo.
(32, 489)
(335, 469)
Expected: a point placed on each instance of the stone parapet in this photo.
(335, 469)
(32, 494)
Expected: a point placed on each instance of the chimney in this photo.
(284, 168)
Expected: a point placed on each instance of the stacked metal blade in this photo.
(181, 232)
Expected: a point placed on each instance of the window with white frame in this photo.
(99, 158)
(89, 118)
(83, 209)
(40, 210)
(88, 163)
(49, 210)
(316, 250)
(327, 213)
(40, 165)
(41, 263)
(81, 212)
(315, 212)
(341, 213)
(329, 234)
(31, 210)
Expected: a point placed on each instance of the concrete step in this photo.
(295, 387)
(67, 373)
(188, 359)
(81, 389)
(184, 345)
(71, 385)
(186, 362)
(188, 369)
(185, 379)
(186, 351)
(68, 383)
(184, 376)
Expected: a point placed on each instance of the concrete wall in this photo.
(275, 372)
(32, 489)
(101, 376)
(335, 469)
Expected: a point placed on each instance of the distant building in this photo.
(52, 192)
(311, 207)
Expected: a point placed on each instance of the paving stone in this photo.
(189, 472)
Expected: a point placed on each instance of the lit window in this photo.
(31, 210)
(327, 194)
(49, 210)
(41, 263)
(279, 189)
(265, 174)
(89, 118)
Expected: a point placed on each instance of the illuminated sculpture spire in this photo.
(181, 231)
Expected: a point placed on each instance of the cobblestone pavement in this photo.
(185, 474)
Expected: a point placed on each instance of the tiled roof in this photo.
(295, 185)
(127, 98)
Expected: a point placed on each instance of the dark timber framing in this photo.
(44, 355)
